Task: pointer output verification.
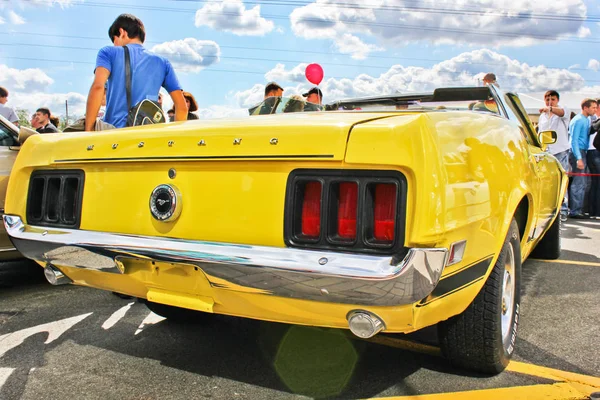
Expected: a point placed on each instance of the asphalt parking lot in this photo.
(80, 343)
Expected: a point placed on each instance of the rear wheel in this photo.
(482, 338)
(177, 314)
(549, 247)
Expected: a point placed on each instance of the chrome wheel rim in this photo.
(508, 295)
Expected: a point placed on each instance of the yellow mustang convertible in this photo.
(382, 214)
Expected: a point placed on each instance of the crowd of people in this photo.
(575, 150)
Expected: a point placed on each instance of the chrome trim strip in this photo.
(304, 274)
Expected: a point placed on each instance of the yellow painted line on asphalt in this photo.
(554, 374)
(513, 366)
(556, 391)
(586, 263)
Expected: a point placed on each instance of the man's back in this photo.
(148, 73)
(8, 113)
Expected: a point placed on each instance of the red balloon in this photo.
(314, 73)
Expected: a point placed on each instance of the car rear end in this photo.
(276, 218)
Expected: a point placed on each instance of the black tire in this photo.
(178, 314)
(474, 339)
(549, 247)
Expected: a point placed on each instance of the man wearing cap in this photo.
(273, 90)
(314, 95)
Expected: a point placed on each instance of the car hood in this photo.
(317, 135)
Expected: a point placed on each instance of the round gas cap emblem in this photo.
(165, 203)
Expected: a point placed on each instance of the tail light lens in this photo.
(384, 212)
(311, 210)
(347, 210)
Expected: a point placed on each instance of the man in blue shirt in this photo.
(148, 73)
(580, 137)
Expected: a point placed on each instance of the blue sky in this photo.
(225, 51)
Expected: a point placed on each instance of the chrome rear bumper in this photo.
(303, 274)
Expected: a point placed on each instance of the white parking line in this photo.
(116, 316)
(151, 319)
(4, 374)
(54, 329)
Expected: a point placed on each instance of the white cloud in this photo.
(466, 69)
(584, 32)
(574, 66)
(220, 111)
(15, 18)
(25, 80)
(47, 3)
(279, 73)
(594, 64)
(248, 98)
(2, 21)
(395, 22)
(54, 101)
(350, 44)
(189, 55)
(232, 16)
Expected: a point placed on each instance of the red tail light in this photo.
(384, 212)
(347, 205)
(311, 210)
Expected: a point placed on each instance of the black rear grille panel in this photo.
(55, 198)
(328, 238)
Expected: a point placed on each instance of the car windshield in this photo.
(280, 105)
(456, 99)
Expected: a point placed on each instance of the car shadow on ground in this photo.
(20, 273)
(298, 360)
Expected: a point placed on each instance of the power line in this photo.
(348, 22)
(246, 72)
(270, 49)
(504, 13)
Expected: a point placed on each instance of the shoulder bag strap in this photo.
(127, 77)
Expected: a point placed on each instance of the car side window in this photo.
(6, 138)
(517, 113)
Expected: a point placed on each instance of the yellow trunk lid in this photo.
(315, 135)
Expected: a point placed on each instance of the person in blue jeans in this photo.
(554, 117)
(149, 72)
(580, 139)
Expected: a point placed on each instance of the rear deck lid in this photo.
(316, 135)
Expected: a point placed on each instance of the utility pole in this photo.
(67, 111)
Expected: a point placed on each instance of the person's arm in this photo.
(95, 97)
(557, 111)
(578, 130)
(171, 83)
(12, 117)
(179, 105)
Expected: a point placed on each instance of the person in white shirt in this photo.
(6, 111)
(554, 117)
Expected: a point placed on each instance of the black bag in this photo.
(596, 142)
(146, 111)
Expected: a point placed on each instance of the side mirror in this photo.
(547, 137)
(24, 133)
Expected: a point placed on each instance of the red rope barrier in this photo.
(580, 174)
